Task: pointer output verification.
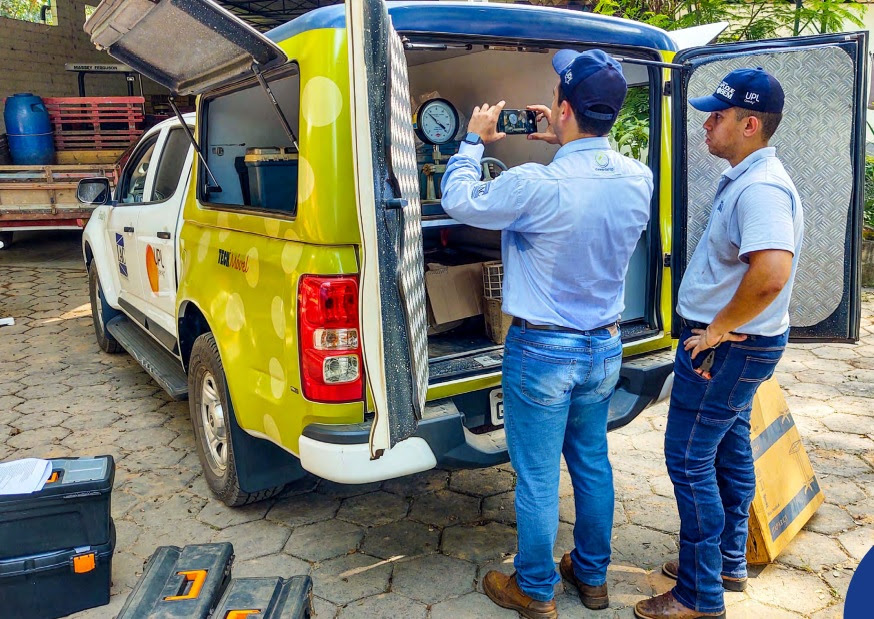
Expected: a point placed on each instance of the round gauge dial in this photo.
(436, 121)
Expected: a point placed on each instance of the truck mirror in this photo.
(93, 190)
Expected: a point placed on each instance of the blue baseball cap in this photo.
(751, 89)
(591, 78)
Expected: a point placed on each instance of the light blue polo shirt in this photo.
(756, 207)
(569, 228)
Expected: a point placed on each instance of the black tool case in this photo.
(181, 583)
(56, 584)
(267, 598)
(72, 510)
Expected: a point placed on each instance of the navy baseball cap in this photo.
(591, 78)
(752, 89)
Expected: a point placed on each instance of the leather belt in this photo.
(693, 324)
(521, 322)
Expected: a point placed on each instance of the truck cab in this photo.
(285, 283)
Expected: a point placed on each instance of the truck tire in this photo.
(210, 406)
(101, 312)
(5, 240)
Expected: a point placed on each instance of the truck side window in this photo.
(170, 165)
(133, 183)
(252, 158)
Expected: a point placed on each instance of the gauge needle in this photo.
(442, 126)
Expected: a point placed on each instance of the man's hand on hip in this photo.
(484, 122)
(702, 339)
(543, 113)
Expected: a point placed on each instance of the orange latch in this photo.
(55, 476)
(241, 614)
(196, 578)
(83, 564)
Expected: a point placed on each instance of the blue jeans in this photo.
(557, 389)
(710, 461)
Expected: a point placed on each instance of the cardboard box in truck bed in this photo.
(454, 292)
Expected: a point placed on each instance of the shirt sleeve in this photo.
(492, 205)
(765, 217)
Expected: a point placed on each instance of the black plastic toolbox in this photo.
(267, 598)
(71, 510)
(56, 584)
(181, 583)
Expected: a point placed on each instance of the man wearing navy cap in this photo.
(734, 303)
(569, 229)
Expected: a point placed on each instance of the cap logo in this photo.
(568, 77)
(725, 90)
(752, 97)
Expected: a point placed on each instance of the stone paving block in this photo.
(217, 514)
(781, 587)
(839, 579)
(858, 541)
(350, 577)
(655, 512)
(841, 441)
(631, 486)
(645, 548)
(840, 490)
(134, 440)
(86, 421)
(862, 511)
(324, 540)
(813, 551)
(852, 424)
(418, 483)
(401, 539)
(304, 485)
(277, 564)
(149, 460)
(832, 612)
(434, 578)
(166, 511)
(126, 570)
(815, 391)
(122, 503)
(502, 507)
(373, 509)
(383, 606)
(481, 482)
(471, 606)
(830, 520)
(344, 491)
(38, 438)
(752, 609)
(653, 441)
(323, 609)
(8, 402)
(479, 543)
(303, 509)
(444, 507)
(34, 421)
(254, 539)
(43, 391)
(838, 463)
(183, 532)
(805, 407)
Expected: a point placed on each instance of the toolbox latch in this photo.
(82, 564)
(192, 583)
(241, 614)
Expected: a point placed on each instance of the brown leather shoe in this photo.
(504, 591)
(592, 597)
(672, 568)
(666, 606)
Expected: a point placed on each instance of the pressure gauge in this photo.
(436, 121)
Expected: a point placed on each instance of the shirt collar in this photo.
(599, 143)
(753, 157)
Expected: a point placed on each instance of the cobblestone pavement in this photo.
(411, 547)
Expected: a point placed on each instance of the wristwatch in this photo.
(473, 138)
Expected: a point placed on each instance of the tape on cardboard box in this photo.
(787, 491)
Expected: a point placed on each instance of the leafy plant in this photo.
(869, 193)
(27, 10)
(630, 134)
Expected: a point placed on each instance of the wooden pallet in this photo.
(95, 123)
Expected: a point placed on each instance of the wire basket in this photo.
(493, 279)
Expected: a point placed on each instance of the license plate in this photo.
(496, 405)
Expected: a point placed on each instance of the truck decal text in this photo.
(233, 260)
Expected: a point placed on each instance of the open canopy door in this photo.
(189, 46)
(393, 316)
(820, 141)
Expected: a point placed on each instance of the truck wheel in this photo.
(101, 312)
(5, 240)
(211, 411)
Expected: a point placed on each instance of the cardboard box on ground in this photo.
(787, 491)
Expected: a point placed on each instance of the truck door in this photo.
(393, 321)
(157, 230)
(821, 141)
(133, 185)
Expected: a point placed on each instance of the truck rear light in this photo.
(331, 359)
(335, 339)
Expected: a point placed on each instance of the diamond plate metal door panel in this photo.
(814, 142)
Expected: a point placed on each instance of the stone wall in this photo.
(32, 57)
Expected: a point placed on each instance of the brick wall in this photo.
(32, 57)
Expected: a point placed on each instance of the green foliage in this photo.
(630, 134)
(869, 192)
(26, 10)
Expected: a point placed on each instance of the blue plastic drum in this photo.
(29, 130)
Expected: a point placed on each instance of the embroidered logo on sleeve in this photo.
(479, 190)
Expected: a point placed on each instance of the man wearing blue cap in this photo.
(569, 229)
(734, 303)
